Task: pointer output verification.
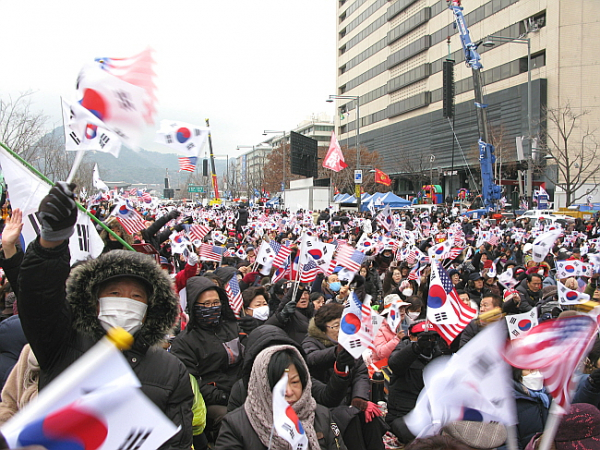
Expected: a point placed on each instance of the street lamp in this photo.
(246, 174)
(356, 98)
(489, 42)
(265, 132)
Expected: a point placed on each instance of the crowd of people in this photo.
(211, 364)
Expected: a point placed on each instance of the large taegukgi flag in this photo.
(183, 137)
(356, 327)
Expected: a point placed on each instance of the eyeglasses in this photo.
(333, 327)
(210, 304)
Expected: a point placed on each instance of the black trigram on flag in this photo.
(135, 439)
(355, 343)
(440, 317)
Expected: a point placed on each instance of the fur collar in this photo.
(315, 332)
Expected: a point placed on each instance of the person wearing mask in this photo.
(64, 313)
(256, 308)
(387, 339)
(533, 403)
(329, 286)
(210, 346)
(250, 427)
(294, 314)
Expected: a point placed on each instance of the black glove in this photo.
(188, 220)
(58, 212)
(343, 360)
(288, 310)
(595, 380)
(174, 214)
(425, 346)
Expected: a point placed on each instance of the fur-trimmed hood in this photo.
(315, 332)
(82, 293)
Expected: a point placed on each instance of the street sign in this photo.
(358, 179)
(197, 189)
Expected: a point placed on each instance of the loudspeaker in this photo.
(448, 89)
(205, 167)
(303, 155)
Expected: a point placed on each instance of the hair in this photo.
(280, 361)
(440, 442)
(461, 292)
(327, 313)
(531, 275)
(517, 374)
(415, 302)
(254, 291)
(212, 277)
(496, 300)
(315, 296)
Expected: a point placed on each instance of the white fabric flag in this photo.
(119, 105)
(83, 133)
(573, 268)
(475, 384)
(520, 324)
(507, 280)
(318, 252)
(265, 255)
(543, 243)
(98, 183)
(285, 420)
(568, 296)
(183, 137)
(26, 193)
(356, 327)
(92, 402)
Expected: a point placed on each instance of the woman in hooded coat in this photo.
(61, 325)
(250, 427)
(210, 345)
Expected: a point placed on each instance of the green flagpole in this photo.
(79, 205)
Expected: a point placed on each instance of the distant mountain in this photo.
(139, 167)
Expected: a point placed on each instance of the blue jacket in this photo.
(12, 340)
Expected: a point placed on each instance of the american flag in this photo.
(210, 252)
(187, 163)
(282, 272)
(145, 197)
(448, 314)
(232, 288)
(494, 239)
(555, 347)
(133, 192)
(132, 225)
(281, 253)
(309, 272)
(199, 231)
(349, 258)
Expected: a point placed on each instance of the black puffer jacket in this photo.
(531, 413)
(297, 325)
(237, 433)
(152, 236)
(330, 394)
(61, 326)
(203, 349)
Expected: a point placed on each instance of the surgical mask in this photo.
(121, 312)
(407, 292)
(335, 286)
(260, 313)
(413, 315)
(207, 315)
(533, 381)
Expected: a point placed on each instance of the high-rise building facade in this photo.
(390, 56)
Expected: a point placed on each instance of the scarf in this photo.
(259, 403)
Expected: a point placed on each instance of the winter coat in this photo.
(330, 394)
(151, 234)
(385, 342)
(295, 326)
(21, 385)
(586, 393)
(60, 326)
(470, 331)
(109, 244)
(236, 432)
(12, 340)
(320, 355)
(211, 354)
(12, 267)
(531, 414)
(529, 299)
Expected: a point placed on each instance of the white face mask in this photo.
(533, 381)
(260, 313)
(121, 312)
(407, 292)
(413, 315)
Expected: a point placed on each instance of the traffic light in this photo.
(448, 88)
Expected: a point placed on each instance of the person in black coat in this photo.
(407, 362)
(533, 403)
(210, 346)
(293, 314)
(241, 218)
(62, 324)
(153, 235)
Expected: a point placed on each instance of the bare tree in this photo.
(574, 149)
(415, 169)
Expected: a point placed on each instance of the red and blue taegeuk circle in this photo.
(183, 134)
(315, 253)
(572, 295)
(524, 325)
(69, 428)
(289, 411)
(94, 103)
(569, 269)
(437, 296)
(350, 324)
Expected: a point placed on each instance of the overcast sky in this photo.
(245, 65)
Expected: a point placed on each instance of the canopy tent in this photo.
(382, 199)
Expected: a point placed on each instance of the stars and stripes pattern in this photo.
(349, 258)
(210, 252)
(555, 347)
(281, 253)
(133, 223)
(187, 163)
(449, 331)
(199, 231)
(232, 288)
(309, 272)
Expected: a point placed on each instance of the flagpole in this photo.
(76, 163)
(79, 205)
(554, 418)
